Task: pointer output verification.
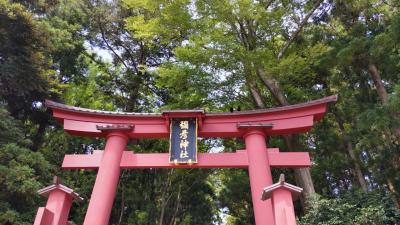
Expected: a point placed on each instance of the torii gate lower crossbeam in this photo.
(238, 159)
(254, 126)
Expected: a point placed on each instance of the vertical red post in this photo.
(260, 175)
(283, 207)
(105, 187)
(59, 203)
(43, 217)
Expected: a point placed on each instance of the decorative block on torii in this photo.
(282, 195)
(59, 201)
(254, 126)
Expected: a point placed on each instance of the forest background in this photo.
(150, 55)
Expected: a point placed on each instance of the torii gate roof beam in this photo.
(284, 120)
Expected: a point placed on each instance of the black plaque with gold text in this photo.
(183, 141)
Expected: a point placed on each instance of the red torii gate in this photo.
(254, 126)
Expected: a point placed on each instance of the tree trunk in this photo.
(272, 86)
(38, 138)
(302, 175)
(121, 214)
(349, 147)
(304, 180)
(357, 166)
(255, 94)
(383, 96)
(254, 90)
(177, 206)
(392, 189)
(164, 198)
(163, 205)
(380, 88)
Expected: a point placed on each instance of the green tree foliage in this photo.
(26, 76)
(235, 197)
(10, 129)
(22, 173)
(380, 141)
(217, 55)
(353, 208)
(91, 90)
(356, 68)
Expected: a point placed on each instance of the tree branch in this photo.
(103, 37)
(131, 57)
(380, 87)
(299, 29)
(244, 34)
(268, 4)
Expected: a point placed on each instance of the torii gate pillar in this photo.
(260, 174)
(106, 184)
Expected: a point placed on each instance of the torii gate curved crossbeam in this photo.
(254, 126)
